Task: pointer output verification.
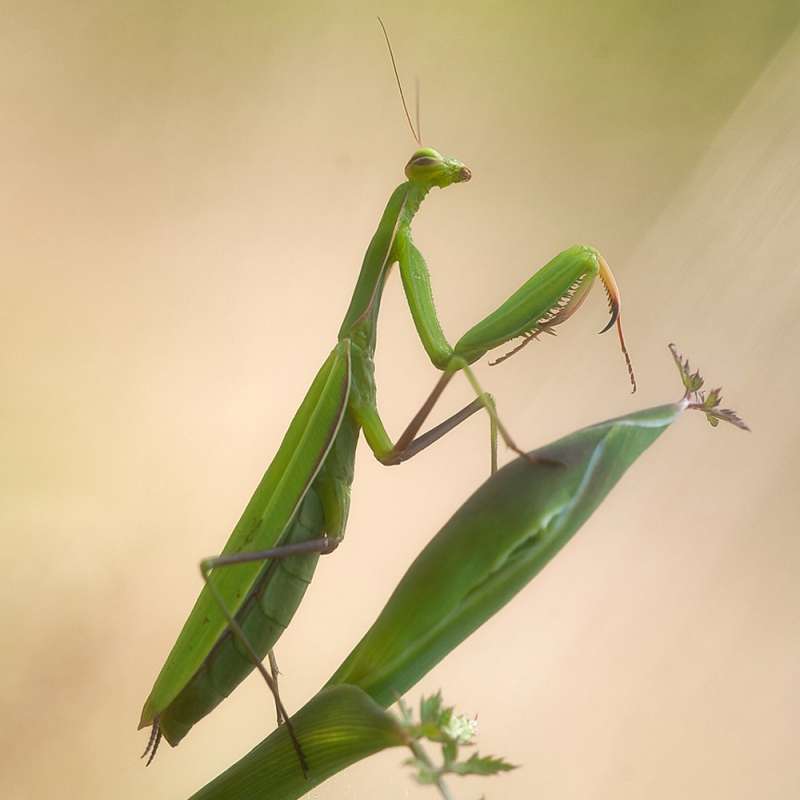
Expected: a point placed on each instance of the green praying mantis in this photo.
(299, 509)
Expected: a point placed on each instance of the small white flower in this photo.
(461, 728)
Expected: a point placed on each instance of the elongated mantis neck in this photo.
(360, 322)
(416, 193)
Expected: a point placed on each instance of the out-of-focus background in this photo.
(187, 191)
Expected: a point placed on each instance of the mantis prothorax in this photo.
(299, 509)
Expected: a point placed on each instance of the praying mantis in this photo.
(299, 509)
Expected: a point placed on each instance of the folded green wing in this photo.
(266, 517)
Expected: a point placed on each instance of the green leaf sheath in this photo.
(493, 545)
(265, 523)
(338, 726)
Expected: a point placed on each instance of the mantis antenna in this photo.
(416, 103)
(414, 133)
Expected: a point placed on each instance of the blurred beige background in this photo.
(187, 192)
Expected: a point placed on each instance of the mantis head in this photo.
(428, 167)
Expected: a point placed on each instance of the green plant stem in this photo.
(419, 752)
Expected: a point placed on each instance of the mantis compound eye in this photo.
(424, 161)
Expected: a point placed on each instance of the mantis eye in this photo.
(423, 162)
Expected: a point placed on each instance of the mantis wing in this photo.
(262, 525)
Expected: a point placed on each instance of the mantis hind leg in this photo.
(321, 545)
(274, 671)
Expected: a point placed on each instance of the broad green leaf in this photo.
(492, 547)
(499, 539)
(337, 727)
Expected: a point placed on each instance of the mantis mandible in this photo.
(299, 509)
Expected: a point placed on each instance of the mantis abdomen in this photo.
(264, 616)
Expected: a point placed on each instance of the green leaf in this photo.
(713, 399)
(337, 727)
(481, 765)
(701, 401)
(692, 381)
(450, 751)
(430, 709)
(710, 404)
(498, 540)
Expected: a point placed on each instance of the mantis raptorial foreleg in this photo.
(546, 300)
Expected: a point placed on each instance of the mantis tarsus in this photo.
(299, 509)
